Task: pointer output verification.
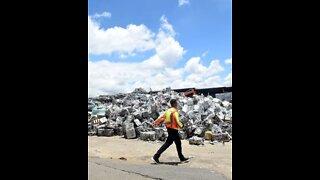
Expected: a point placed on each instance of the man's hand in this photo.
(158, 121)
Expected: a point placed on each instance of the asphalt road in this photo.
(100, 169)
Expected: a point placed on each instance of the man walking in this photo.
(173, 124)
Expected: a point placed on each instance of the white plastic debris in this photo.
(196, 140)
(133, 115)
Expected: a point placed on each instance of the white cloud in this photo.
(173, 74)
(228, 80)
(107, 77)
(182, 2)
(213, 81)
(214, 67)
(154, 62)
(136, 38)
(156, 72)
(204, 54)
(193, 66)
(228, 61)
(194, 78)
(165, 26)
(168, 50)
(122, 56)
(117, 39)
(200, 76)
(104, 14)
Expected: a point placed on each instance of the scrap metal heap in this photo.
(132, 115)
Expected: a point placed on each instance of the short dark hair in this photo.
(173, 102)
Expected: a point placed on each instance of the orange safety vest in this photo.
(172, 121)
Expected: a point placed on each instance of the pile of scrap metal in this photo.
(132, 115)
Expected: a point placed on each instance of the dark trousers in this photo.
(173, 135)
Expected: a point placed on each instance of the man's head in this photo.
(173, 103)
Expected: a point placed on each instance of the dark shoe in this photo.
(184, 159)
(155, 159)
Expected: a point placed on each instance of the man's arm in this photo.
(159, 120)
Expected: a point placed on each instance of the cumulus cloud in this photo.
(122, 56)
(154, 62)
(213, 81)
(106, 77)
(156, 71)
(183, 2)
(228, 80)
(228, 61)
(214, 67)
(117, 39)
(194, 66)
(136, 38)
(166, 27)
(104, 14)
(168, 50)
(204, 54)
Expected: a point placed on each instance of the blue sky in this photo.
(175, 43)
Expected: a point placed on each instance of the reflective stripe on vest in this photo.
(171, 119)
(173, 123)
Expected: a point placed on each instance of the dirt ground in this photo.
(217, 157)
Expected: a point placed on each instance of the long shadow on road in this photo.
(169, 163)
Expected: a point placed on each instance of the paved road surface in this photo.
(100, 169)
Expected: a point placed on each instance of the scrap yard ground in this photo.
(209, 162)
